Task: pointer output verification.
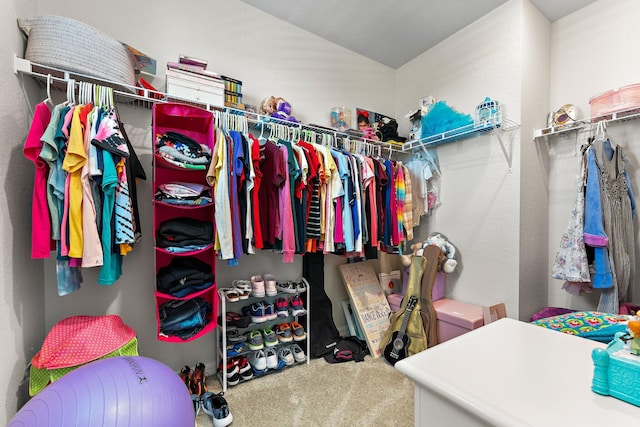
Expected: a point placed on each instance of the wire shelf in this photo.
(145, 98)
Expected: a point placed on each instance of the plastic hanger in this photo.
(49, 100)
(71, 92)
(261, 139)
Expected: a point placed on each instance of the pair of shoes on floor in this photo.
(215, 406)
(195, 380)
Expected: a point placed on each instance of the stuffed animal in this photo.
(449, 263)
(439, 240)
(277, 108)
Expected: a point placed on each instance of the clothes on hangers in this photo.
(608, 234)
(84, 207)
(302, 196)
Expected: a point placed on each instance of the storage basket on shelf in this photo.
(64, 43)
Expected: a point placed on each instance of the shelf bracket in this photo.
(504, 151)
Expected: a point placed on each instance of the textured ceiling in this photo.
(393, 32)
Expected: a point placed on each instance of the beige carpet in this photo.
(322, 394)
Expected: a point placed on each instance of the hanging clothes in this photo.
(618, 208)
(41, 236)
(85, 164)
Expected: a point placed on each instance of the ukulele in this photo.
(397, 349)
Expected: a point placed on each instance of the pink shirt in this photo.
(288, 231)
(41, 242)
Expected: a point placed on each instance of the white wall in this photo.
(592, 50)
(21, 298)
(271, 57)
(480, 196)
(534, 162)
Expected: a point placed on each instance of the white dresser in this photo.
(511, 373)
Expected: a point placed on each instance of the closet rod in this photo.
(145, 98)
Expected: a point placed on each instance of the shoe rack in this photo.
(198, 125)
(227, 306)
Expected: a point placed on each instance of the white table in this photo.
(511, 373)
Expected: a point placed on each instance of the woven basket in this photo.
(64, 43)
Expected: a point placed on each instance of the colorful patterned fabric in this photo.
(593, 325)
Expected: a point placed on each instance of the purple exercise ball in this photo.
(119, 391)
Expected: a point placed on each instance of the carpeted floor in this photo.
(322, 394)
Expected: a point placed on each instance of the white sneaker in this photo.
(298, 353)
(272, 358)
(258, 360)
(286, 356)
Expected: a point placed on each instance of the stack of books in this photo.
(233, 92)
(189, 79)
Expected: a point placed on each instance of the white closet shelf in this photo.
(469, 131)
(145, 98)
(615, 117)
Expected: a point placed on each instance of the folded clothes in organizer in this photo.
(183, 193)
(183, 276)
(179, 232)
(184, 318)
(182, 150)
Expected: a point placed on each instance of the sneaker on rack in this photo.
(254, 340)
(297, 306)
(286, 356)
(243, 287)
(272, 358)
(282, 307)
(269, 337)
(236, 319)
(298, 353)
(286, 287)
(235, 349)
(257, 286)
(244, 368)
(233, 372)
(301, 285)
(234, 336)
(269, 310)
(298, 331)
(257, 312)
(257, 360)
(283, 332)
(232, 295)
(270, 285)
